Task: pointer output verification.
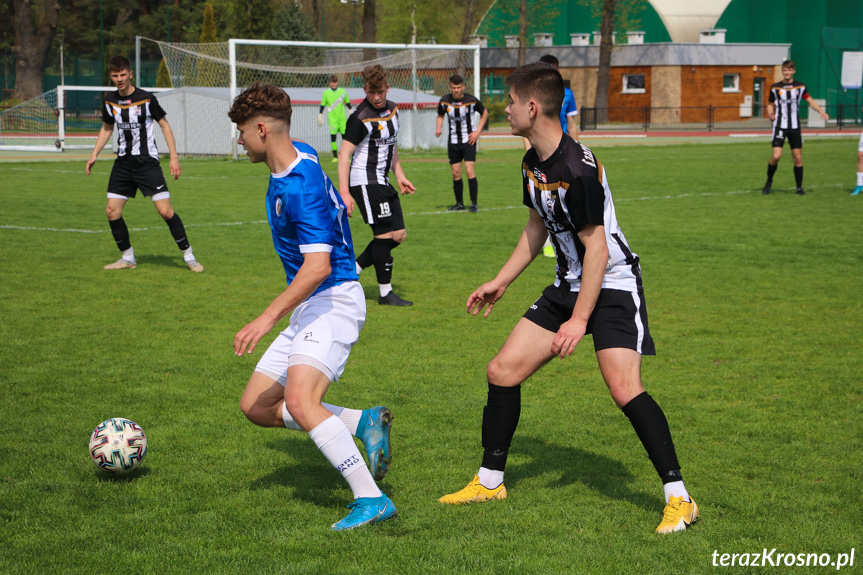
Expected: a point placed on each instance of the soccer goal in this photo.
(65, 118)
(418, 75)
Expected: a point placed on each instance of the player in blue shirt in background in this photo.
(313, 239)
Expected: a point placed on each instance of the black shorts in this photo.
(380, 207)
(619, 318)
(795, 138)
(459, 152)
(131, 173)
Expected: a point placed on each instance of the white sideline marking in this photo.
(433, 213)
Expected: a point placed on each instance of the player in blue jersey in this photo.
(313, 239)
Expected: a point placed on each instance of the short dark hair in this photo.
(541, 81)
(789, 64)
(261, 100)
(334, 78)
(374, 76)
(455, 80)
(549, 59)
(119, 63)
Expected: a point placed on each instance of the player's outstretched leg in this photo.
(374, 431)
(473, 493)
(366, 510)
(678, 515)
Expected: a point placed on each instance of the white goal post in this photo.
(352, 67)
(418, 75)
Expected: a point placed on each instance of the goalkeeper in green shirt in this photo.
(335, 101)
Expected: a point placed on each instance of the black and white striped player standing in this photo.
(783, 108)
(367, 156)
(135, 112)
(460, 108)
(597, 290)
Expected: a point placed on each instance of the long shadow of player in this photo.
(598, 472)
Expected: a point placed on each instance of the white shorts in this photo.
(860, 143)
(322, 328)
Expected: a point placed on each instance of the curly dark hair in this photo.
(261, 100)
(375, 77)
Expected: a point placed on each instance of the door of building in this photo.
(757, 97)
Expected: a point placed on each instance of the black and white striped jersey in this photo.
(787, 97)
(373, 132)
(134, 116)
(570, 191)
(460, 115)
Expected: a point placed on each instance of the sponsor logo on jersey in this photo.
(129, 126)
(588, 157)
(391, 141)
(550, 198)
(278, 206)
(308, 337)
(540, 177)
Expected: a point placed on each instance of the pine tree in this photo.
(163, 78)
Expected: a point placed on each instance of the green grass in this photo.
(754, 304)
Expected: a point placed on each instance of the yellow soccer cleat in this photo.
(678, 515)
(121, 264)
(474, 491)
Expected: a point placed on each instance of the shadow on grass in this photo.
(164, 261)
(107, 476)
(598, 472)
(308, 473)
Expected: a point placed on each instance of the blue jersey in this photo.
(307, 215)
(567, 109)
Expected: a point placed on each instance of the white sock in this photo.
(350, 417)
(675, 489)
(385, 289)
(335, 442)
(129, 255)
(490, 478)
(860, 178)
(188, 255)
(359, 268)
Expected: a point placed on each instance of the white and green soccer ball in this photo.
(118, 445)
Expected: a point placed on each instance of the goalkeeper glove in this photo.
(320, 119)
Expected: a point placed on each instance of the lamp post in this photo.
(354, 2)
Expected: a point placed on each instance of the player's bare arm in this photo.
(474, 136)
(438, 126)
(572, 127)
(405, 187)
(172, 147)
(345, 154)
(104, 135)
(771, 111)
(814, 105)
(592, 274)
(315, 269)
(528, 247)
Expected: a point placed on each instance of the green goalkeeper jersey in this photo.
(334, 102)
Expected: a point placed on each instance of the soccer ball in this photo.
(118, 445)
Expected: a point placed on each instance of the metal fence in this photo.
(710, 119)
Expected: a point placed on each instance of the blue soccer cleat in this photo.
(856, 191)
(374, 432)
(366, 510)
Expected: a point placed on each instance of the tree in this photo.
(370, 32)
(603, 76)
(292, 23)
(208, 28)
(208, 71)
(522, 32)
(163, 77)
(34, 33)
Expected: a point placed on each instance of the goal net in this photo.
(418, 75)
(65, 118)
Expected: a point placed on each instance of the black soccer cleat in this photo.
(392, 299)
(800, 192)
(456, 208)
(766, 189)
(473, 209)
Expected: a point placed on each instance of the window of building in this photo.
(731, 82)
(633, 84)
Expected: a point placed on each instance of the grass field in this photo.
(755, 305)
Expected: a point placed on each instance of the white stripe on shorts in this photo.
(637, 301)
(370, 215)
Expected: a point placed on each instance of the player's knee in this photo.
(254, 412)
(166, 213)
(113, 213)
(497, 374)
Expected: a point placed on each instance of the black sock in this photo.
(178, 230)
(458, 189)
(120, 233)
(771, 169)
(365, 258)
(382, 259)
(472, 189)
(798, 176)
(652, 429)
(499, 420)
